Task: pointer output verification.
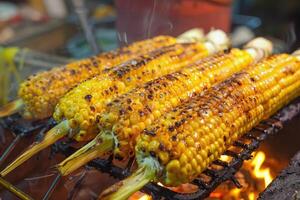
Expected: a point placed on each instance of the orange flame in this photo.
(145, 197)
(259, 172)
(235, 193)
(140, 196)
(251, 196)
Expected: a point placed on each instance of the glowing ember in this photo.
(140, 196)
(235, 192)
(225, 158)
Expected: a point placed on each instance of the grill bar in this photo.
(256, 136)
(217, 176)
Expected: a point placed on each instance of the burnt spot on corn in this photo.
(149, 132)
(141, 113)
(129, 108)
(171, 128)
(162, 147)
(98, 118)
(106, 92)
(289, 71)
(142, 60)
(171, 77)
(88, 98)
(178, 124)
(150, 97)
(92, 108)
(129, 100)
(122, 111)
(72, 72)
(148, 108)
(174, 138)
(209, 153)
(153, 154)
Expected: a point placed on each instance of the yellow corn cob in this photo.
(81, 107)
(126, 116)
(40, 93)
(186, 140)
(132, 112)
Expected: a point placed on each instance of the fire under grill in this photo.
(218, 172)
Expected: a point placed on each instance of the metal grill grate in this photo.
(243, 148)
(217, 173)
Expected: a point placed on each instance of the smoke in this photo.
(290, 36)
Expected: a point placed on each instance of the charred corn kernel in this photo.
(162, 94)
(89, 98)
(223, 114)
(40, 93)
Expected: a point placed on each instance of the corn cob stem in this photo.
(14, 190)
(123, 189)
(11, 108)
(103, 143)
(51, 136)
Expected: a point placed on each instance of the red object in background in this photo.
(140, 19)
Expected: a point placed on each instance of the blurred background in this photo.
(55, 26)
(37, 35)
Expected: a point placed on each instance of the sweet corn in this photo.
(236, 105)
(82, 105)
(239, 103)
(127, 115)
(41, 92)
(80, 108)
(141, 106)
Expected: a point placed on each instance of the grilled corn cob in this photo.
(79, 110)
(81, 105)
(126, 116)
(182, 143)
(40, 93)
